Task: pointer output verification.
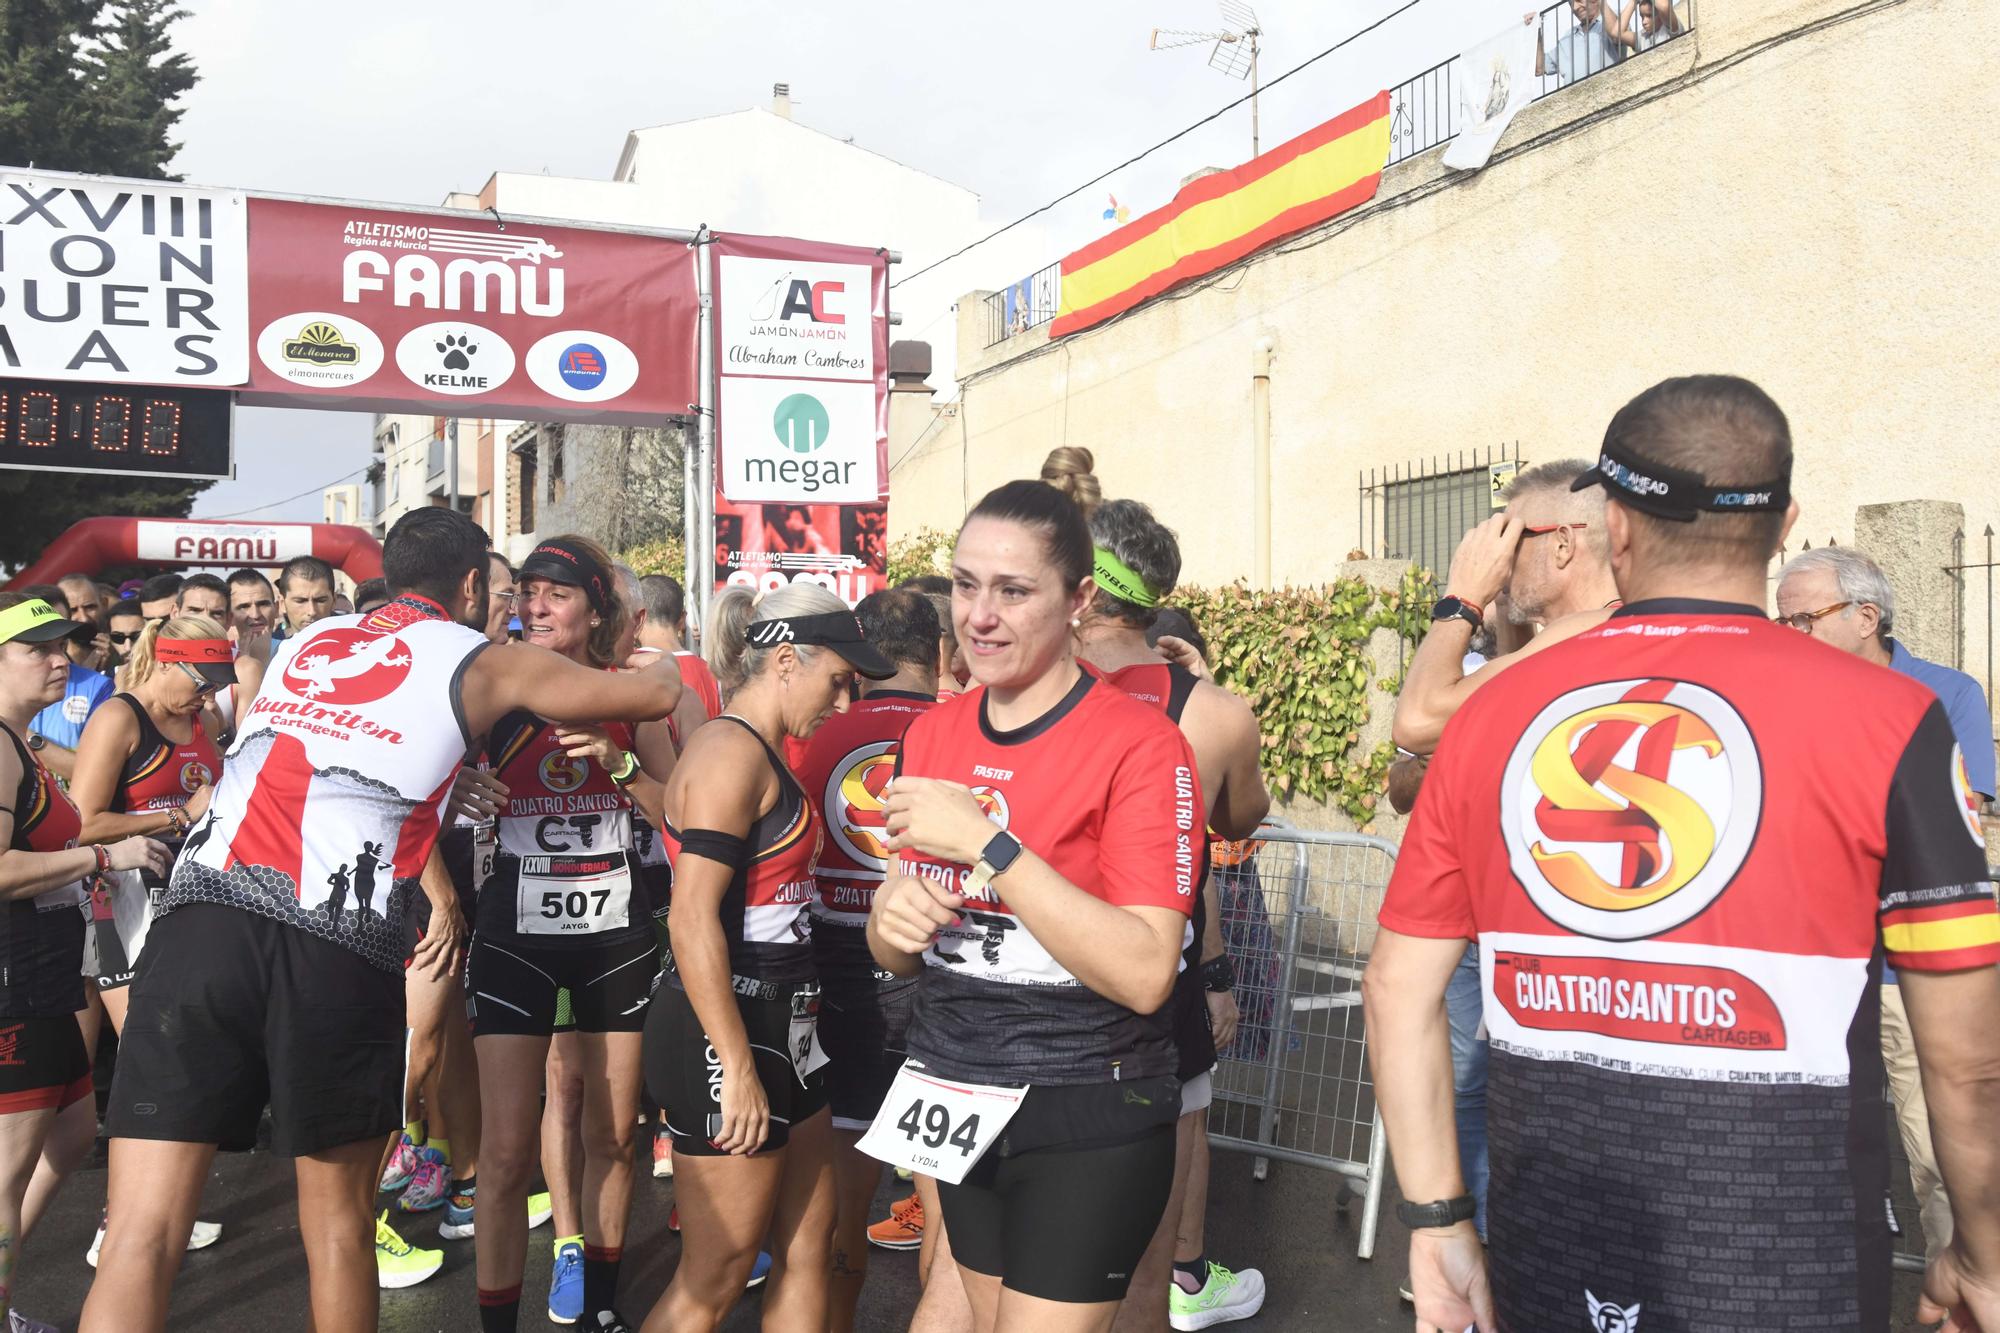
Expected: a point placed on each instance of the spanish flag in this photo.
(1221, 218)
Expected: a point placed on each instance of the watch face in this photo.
(1447, 608)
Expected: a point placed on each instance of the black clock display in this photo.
(144, 430)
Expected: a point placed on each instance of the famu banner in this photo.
(1221, 218)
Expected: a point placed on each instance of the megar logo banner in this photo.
(129, 282)
(804, 441)
(797, 319)
(397, 310)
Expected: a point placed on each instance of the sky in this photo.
(1020, 102)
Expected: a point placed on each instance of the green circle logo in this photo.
(801, 423)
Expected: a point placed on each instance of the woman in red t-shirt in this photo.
(42, 877)
(1048, 946)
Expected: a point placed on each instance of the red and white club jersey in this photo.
(1102, 788)
(844, 769)
(1685, 841)
(697, 677)
(333, 793)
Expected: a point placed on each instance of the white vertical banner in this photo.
(123, 281)
(1496, 79)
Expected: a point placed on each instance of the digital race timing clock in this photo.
(147, 430)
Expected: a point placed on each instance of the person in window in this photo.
(1647, 23)
(1595, 41)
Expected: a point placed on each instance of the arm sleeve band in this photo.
(714, 845)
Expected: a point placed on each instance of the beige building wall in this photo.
(1788, 195)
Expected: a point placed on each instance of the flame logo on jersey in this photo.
(347, 666)
(561, 773)
(194, 776)
(1968, 799)
(854, 797)
(994, 802)
(1628, 807)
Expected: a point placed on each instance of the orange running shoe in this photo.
(903, 1229)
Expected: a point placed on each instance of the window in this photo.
(1419, 511)
(527, 518)
(556, 486)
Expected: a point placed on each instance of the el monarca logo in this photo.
(321, 344)
(1628, 807)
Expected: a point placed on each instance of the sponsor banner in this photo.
(802, 360)
(126, 282)
(235, 544)
(1672, 1010)
(396, 311)
(843, 548)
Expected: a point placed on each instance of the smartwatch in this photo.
(1444, 1213)
(1457, 608)
(999, 854)
(1218, 975)
(36, 740)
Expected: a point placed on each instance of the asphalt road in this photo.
(253, 1280)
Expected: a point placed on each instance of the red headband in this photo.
(191, 650)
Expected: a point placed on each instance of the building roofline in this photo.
(632, 139)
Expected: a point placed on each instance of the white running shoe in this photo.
(1224, 1297)
(201, 1237)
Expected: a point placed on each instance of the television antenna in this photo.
(1234, 53)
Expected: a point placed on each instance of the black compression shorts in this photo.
(515, 988)
(43, 1064)
(234, 1009)
(684, 1075)
(1068, 1222)
(862, 1027)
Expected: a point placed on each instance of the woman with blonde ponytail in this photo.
(1071, 469)
(732, 1054)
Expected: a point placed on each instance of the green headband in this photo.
(17, 620)
(1122, 581)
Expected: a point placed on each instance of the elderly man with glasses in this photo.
(1840, 597)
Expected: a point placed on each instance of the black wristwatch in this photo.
(1457, 608)
(1000, 853)
(36, 740)
(1218, 975)
(1444, 1213)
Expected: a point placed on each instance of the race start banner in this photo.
(390, 311)
(122, 282)
(802, 414)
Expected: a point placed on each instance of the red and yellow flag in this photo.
(1221, 218)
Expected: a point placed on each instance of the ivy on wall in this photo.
(1299, 656)
(664, 556)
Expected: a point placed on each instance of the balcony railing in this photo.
(1423, 113)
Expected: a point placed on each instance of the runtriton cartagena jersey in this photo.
(1685, 841)
(1101, 787)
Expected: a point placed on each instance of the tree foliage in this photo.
(90, 86)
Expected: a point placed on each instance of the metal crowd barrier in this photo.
(1298, 918)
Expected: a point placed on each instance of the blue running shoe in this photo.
(566, 1284)
(759, 1271)
(459, 1209)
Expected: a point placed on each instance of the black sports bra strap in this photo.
(777, 762)
(148, 730)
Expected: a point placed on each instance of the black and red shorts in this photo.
(43, 1064)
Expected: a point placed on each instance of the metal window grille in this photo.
(1021, 306)
(1419, 511)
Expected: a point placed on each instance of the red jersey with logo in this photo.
(334, 791)
(1684, 850)
(565, 870)
(1102, 788)
(843, 769)
(764, 910)
(41, 938)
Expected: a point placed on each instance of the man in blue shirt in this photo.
(55, 731)
(1839, 596)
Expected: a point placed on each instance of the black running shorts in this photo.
(684, 1075)
(862, 1027)
(1069, 1221)
(43, 1064)
(515, 988)
(233, 1010)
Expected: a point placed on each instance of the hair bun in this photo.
(1070, 468)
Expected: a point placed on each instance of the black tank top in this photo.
(765, 910)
